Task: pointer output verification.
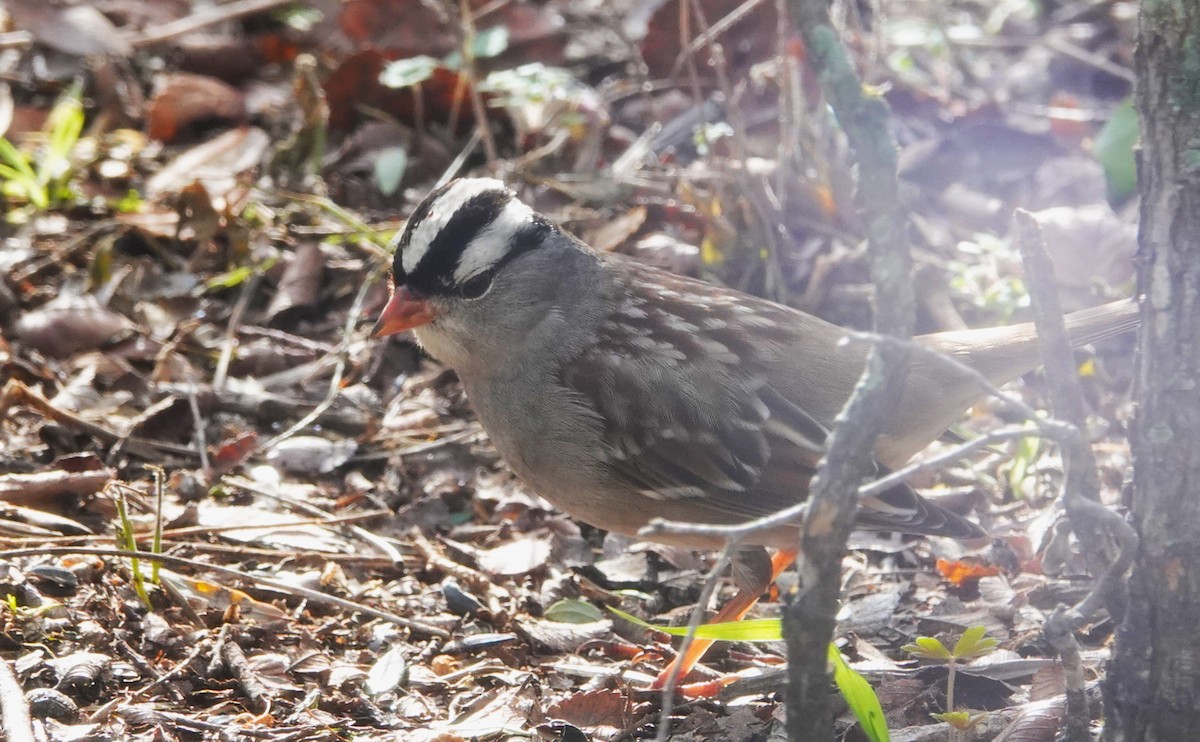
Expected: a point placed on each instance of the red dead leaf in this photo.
(961, 573)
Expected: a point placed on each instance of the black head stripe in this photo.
(434, 272)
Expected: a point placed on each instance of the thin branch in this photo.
(315, 596)
(809, 613)
(1090, 520)
(14, 708)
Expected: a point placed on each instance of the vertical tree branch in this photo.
(1151, 687)
(1081, 480)
(809, 612)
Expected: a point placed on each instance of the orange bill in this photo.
(403, 312)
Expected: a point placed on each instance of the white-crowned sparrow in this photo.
(622, 393)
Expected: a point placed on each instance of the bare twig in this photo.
(198, 427)
(1081, 481)
(315, 596)
(14, 709)
(101, 538)
(17, 394)
(711, 33)
(15, 39)
(375, 540)
(167, 676)
(235, 320)
(335, 382)
(235, 663)
(205, 18)
(809, 614)
(468, 70)
(1060, 45)
(742, 531)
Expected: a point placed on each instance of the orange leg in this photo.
(734, 610)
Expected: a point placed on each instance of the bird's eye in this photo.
(476, 286)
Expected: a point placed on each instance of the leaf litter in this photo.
(198, 297)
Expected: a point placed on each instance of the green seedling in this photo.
(971, 645)
(42, 178)
(857, 692)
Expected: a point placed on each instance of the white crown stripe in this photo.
(443, 209)
(493, 242)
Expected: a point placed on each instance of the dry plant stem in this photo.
(315, 596)
(235, 320)
(198, 427)
(1059, 632)
(809, 614)
(660, 527)
(235, 663)
(1081, 482)
(460, 436)
(962, 450)
(772, 227)
(789, 106)
(15, 40)
(1079, 54)
(809, 611)
(468, 70)
(101, 538)
(14, 709)
(249, 552)
(454, 168)
(710, 33)
(1046, 427)
(378, 542)
(167, 676)
(721, 68)
(205, 18)
(435, 560)
(218, 648)
(145, 669)
(335, 382)
(63, 254)
(101, 714)
(16, 394)
(685, 35)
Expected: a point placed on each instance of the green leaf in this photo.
(1022, 464)
(389, 169)
(130, 203)
(929, 648)
(754, 630)
(18, 178)
(854, 687)
(1114, 149)
(301, 19)
(63, 127)
(532, 83)
(860, 697)
(973, 644)
(65, 123)
(12, 157)
(490, 42)
(960, 720)
(404, 73)
(573, 611)
(229, 279)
